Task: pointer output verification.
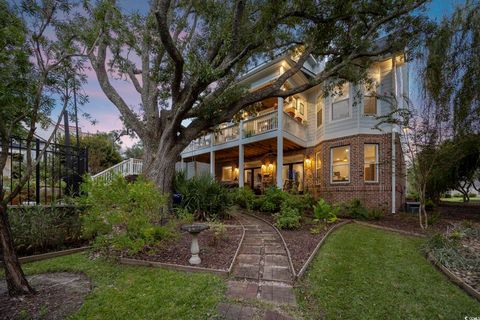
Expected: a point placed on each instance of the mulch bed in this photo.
(300, 242)
(409, 222)
(58, 296)
(215, 255)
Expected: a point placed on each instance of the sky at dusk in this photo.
(106, 114)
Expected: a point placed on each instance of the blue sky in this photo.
(107, 115)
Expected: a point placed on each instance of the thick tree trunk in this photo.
(17, 284)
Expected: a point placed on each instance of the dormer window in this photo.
(341, 103)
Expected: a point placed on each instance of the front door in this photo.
(292, 174)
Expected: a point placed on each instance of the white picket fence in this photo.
(125, 168)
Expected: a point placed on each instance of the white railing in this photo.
(294, 127)
(226, 134)
(200, 143)
(264, 123)
(127, 167)
(261, 124)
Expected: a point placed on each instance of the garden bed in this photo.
(409, 223)
(214, 254)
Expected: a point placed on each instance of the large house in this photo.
(310, 142)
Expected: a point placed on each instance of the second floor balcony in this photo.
(253, 129)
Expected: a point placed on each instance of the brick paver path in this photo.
(261, 282)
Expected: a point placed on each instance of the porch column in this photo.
(182, 164)
(212, 164)
(279, 143)
(241, 164)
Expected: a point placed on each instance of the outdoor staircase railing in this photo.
(125, 168)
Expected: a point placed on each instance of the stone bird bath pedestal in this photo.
(194, 230)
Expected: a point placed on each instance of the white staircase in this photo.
(125, 168)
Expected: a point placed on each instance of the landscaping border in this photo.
(315, 251)
(49, 255)
(180, 267)
(171, 266)
(408, 233)
(453, 277)
(281, 237)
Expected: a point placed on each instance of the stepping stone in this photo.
(247, 271)
(276, 260)
(274, 273)
(249, 258)
(253, 241)
(242, 289)
(278, 294)
(230, 311)
(275, 315)
(274, 249)
(250, 249)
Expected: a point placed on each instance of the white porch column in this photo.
(279, 143)
(241, 165)
(212, 164)
(241, 153)
(182, 164)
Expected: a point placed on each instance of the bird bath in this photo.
(194, 230)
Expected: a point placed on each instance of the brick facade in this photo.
(372, 194)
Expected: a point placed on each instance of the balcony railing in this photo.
(227, 134)
(294, 127)
(262, 124)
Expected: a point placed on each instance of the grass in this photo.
(127, 292)
(365, 273)
(453, 199)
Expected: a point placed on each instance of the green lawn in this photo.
(365, 273)
(125, 292)
(453, 199)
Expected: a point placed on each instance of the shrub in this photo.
(219, 232)
(123, 216)
(429, 205)
(287, 218)
(375, 214)
(38, 229)
(355, 210)
(244, 197)
(448, 195)
(272, 200)
(203, 196)
(472, 195)
(457, 195)
(323, 212)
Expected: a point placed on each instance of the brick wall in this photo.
(372, 194)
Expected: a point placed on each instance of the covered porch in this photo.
(256, 165)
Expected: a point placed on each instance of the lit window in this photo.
(370, 160)
(341, 103)
(319, 111)
(340, 164)
(318, 165)
(227, 173)
(370, 99)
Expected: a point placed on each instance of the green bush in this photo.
(38, 229)
(355, 210)
(203, 196)
(472, 195)
(375, 214)
(457, 195)
(287, 218)
(123, 217)
(429, 205)
(447, 196)
(244, 197)
(324, 212)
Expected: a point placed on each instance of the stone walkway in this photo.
(261, 281)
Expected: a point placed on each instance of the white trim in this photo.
(319, 97)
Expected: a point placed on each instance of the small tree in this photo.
(34, 71)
